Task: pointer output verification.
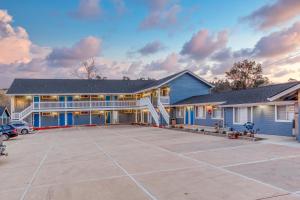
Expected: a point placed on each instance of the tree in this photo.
(246, 74)
(87, 70)
(221, 85)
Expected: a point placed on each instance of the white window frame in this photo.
(222, 113)
(181, 110)
(242, 123)
(197, 112)
(282, 120)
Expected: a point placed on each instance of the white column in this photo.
(136, 116)
(158, 95)
(90, 117)
(40, 119)
(297, 118)
(66, 116)
(12, 104)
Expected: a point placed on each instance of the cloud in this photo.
(202, 44)
(88, 9)
(279, 43)
(162, 14)
(14, 42)
(67, 56)
(169, 64)
(275, 14)
(151, 48)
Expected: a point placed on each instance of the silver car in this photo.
(22, 127)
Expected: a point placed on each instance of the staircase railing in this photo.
(21, 115)
(164, 113)
(147, 102)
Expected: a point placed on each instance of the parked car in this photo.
(22, 127)
(2, 146)
(8, 131)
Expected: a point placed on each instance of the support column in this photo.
(12, 104)
(66, 118)
(40, 119)
(90, 117)
(297, 118)
(136, 116)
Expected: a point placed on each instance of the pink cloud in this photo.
(275, 14)
(68, 56)
(202, 44)
(88, 9)
(279, 43)
(14, 42)
(162, 14)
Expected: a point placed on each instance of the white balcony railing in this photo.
(84, 104)
(165, 99)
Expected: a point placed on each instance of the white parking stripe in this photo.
(125, 171)
(35, 173)
(216, 167)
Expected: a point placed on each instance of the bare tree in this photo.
(87, 70)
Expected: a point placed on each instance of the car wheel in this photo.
(5, 136)
(24, 131)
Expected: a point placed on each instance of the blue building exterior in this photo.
(185, 97)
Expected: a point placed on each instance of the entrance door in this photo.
(186, 118)
(192, 116)
(107, 117)
(62, 119)
(70, 119)
(36, 120)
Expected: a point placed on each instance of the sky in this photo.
(147, 38)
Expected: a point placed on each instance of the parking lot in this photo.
(127, 162)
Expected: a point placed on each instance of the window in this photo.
(242, 115)
(217, 113)
(179, 112)
(200, 112)
(285, 113)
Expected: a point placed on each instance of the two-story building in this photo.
(184, 96)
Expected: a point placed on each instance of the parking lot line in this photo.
(216, 167)
(261, 161)
(126, 172)
(35, 173)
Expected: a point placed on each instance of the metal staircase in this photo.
(146, 102)
(23, 114)
(163, 112)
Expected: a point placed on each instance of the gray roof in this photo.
(2, 110)
(83, 86)
(247, 96)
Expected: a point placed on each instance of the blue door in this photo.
(107, 98)
(36, 120)
(107, 117)
(70, 119)
(192, 116)
(186, 116)
(61, 119)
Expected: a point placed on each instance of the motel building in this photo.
(184, 98)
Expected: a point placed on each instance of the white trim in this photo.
(281, 120)
(285, 92)
(199, 104)
(259, 104)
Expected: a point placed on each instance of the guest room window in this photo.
(217, 113)
(242, 115)
(179, 112)
(285, 113)
(200, 112)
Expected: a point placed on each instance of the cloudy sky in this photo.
(147, 38)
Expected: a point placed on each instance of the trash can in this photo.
(173, 121)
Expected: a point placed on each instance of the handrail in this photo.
(164, 113)
(164, 99)
(86, 104)
(146, 102)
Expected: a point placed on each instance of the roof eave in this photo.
(285, 92)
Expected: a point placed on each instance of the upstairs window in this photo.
(284, 113)
(200, 112)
